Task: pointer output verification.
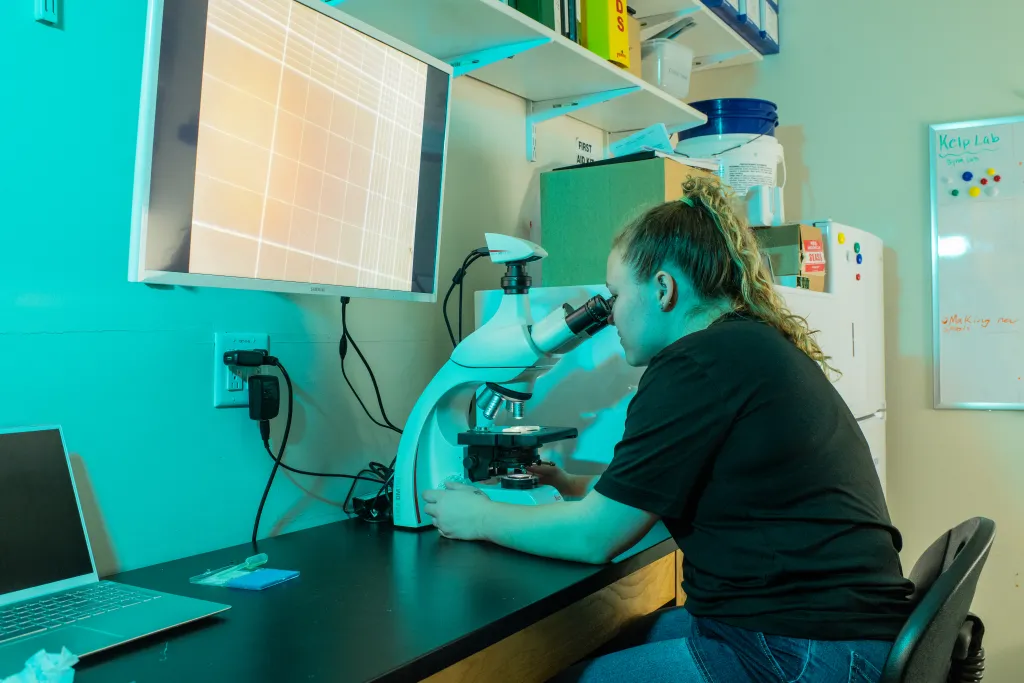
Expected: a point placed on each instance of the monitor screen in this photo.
(42, 536)
(293, 151)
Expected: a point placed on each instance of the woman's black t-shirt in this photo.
(759, 470)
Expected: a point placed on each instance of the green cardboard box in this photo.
(584, 207)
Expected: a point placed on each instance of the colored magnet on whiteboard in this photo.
(858, 276)
(842, 238)
(984, 181)
(974, 191)
(992, 191)
(856, 247)
(998, 178)
(955, 193)
(860, 259)
(968, 176)
(991, 171)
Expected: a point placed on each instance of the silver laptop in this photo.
(50, 594)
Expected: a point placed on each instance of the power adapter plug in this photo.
(246, 358)
(264, 401)
(264, 397)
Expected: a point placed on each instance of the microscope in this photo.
(494, 367)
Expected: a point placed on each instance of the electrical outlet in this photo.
(231, 383)
(47, 11)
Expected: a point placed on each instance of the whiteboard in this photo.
(977, 184)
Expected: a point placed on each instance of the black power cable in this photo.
(328, 475)
(256, 359)
(265, 433)
(457, 279)
(385, 487)
(346, 340)
(465, 266)
(344, 505)
(387, 474)
(384, 473)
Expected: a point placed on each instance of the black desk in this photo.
(371, 604)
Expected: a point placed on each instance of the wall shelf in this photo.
(715, 44)
(552, 70)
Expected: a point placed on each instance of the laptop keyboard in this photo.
(53, 611)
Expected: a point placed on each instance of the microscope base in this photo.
(541, 495)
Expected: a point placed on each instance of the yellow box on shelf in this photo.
(604, 30)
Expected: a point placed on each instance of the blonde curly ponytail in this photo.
(718, 252)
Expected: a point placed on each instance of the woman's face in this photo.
(637, 312)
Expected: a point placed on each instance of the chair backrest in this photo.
(945, 578)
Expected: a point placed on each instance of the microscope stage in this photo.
(497, 437)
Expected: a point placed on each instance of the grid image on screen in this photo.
(308, 158)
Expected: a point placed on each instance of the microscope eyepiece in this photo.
(591, 317)
(562, 326)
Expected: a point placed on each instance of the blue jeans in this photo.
(672, 645)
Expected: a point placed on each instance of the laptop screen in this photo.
(41, 533)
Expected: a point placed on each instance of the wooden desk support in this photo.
(540, 651)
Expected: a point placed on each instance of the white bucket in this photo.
(745, 159)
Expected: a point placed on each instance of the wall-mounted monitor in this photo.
(285, 146)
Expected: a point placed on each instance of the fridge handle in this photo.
(880, 413)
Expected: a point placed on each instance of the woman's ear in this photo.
(668, 291)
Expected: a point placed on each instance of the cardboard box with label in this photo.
(584, 207)
(796, 254)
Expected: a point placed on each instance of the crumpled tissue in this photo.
(43, 667)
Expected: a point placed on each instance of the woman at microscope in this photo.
(738, 441)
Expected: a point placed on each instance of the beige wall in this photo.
(857, 84)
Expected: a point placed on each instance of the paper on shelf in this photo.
(652, 138)
(656, 139)
(713, 165)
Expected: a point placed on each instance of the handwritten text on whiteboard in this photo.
(964, 149)
(965, 323)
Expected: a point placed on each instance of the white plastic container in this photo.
(667, 64)
(745, 160)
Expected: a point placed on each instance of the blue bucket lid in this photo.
(734, 115)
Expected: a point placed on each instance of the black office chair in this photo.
(941, 641)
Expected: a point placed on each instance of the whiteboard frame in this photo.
(936, 318)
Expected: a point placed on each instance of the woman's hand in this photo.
(459, 511)
(551, 475)
(569, 485)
